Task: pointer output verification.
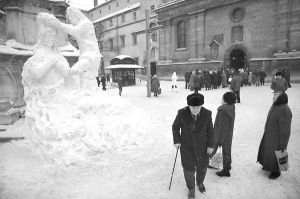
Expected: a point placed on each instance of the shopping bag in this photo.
(282, 160)
(229, 79)
(217, 160)
(159, 91)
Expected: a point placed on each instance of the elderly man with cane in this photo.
(193, 133)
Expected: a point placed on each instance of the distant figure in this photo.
(262, 77)
(120, 85)
(174, 81)
(224, 79)
(250, 78)
(235, 86)
(155, 85)
(187, 76)
(107, 78)
(103, 81)
(191, 83)
(279, 85)
(98, 81)
(276, 135)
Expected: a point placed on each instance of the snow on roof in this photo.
(132, 66)
(122, 57)
(130, 7)
(169, 4)
(13, 47)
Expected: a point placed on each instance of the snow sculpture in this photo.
(84, 33)
(67, 124)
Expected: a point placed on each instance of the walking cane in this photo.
(173, 168)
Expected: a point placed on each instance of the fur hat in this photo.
(278, 74)
(282, 99)
(195, 99)
(229, 97)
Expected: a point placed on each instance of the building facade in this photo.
(121, 19)
(213, 34)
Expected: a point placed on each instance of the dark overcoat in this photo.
(235, 84)
(194, 143)
(276, 135)
(223, 128)
(154, 85)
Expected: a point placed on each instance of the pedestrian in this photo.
(98, 81)
(187, 76)
(279, 85)
(235, 86)
(263, 77)
(250, 78)
(197, 83)
(120, 85)
(155, 85)
(224, 79)
(103, 81)
(107, 78)
(192, 81)
(193, 133)
(223, 130)
(174, 81)
(276, 135)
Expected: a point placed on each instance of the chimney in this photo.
(95, 3)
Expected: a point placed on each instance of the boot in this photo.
(191, 194)
(201, 187)
(274, 175)
(223, 173)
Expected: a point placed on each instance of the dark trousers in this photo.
(262, 81)
(238, 100)
(187, 84)
(189, 177)
(103, 87)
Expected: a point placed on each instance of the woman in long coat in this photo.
(276, 135)
(224, 79)
(155, 85)
(174, 81)
(192, 85)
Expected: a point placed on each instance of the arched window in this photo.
(181, 35)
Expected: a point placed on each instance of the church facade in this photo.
(213, 34)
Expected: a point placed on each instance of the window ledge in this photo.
(181, 49)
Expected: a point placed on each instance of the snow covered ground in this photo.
(144, 170)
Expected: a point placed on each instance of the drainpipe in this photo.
(288, 21)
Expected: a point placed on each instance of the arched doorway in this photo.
(237, 56)
(153, 68)
(237, 59)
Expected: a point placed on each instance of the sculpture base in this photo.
(10, 117)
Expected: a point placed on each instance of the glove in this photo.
(177, 145)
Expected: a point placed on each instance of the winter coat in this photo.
(197, 82)
(276, 133)
(174, 79)
(223, 126)
(187, 76)
(103, 81)
(250, 77)
(154, 84)
(224, 79)
(279, 85)
(192, 80)
(235, 84)
(195, 140)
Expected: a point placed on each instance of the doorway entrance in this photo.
(153, 68)
(237, 59)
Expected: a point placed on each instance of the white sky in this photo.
(84, 4)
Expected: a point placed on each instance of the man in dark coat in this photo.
(223, 129)
(155, 85)
(98, 81)
(193, 133)
(103, 81)
(235, 86)
(276, 135)
(187, 76)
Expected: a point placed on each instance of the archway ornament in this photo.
(241, 46)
